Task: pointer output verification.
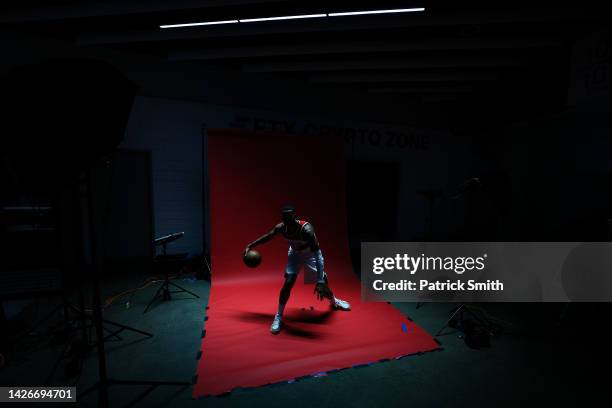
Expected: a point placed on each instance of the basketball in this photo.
(252, 258)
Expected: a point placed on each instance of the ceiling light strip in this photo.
(255, 20)
(206, 23)
(392, 11)
(297, 17)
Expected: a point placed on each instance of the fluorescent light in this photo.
(253, 20)
(206, 23)
(358, 13)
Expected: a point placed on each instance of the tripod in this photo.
(75, 317)
(459, 311)
(81, 320)
(164, 291)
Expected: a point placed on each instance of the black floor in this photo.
(537, 359)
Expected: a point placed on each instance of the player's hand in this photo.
(322, 291)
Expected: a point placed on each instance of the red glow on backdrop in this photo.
(251, 177)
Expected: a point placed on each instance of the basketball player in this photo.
(303, 250)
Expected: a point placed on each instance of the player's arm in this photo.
(264, 238)
(321, 288)
(309, 235)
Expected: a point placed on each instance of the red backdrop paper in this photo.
(251, 176)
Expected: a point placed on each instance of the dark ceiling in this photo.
(460, 56)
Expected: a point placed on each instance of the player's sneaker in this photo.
(341, 304)
(276, 324)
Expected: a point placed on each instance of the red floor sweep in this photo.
(251, 177)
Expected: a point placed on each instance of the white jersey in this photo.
(296, 241)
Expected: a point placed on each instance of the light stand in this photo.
(104, 381)
(164, 291)
(77, 318)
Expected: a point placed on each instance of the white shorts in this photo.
(306, 258)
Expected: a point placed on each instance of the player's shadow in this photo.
(290, 320)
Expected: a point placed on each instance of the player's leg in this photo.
(286, 292)
(282, 301)
(291, 272)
